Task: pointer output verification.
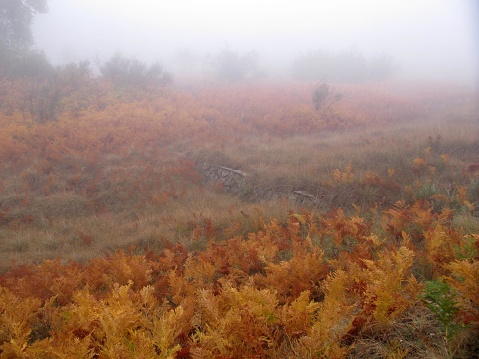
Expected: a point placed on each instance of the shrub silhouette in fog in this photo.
(124, 71)
(17, 58)
(323, 96)
(345, 66)
(233, 67)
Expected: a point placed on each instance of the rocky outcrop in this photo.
(240, 183)
(305, 198)
(232, 181)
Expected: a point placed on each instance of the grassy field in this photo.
(108, 212)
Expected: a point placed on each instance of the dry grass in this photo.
(144, 199)
(314, 157)
(47, 211)
(416, 334)
(76, 234)
(307, 163)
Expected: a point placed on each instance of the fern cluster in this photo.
(271, 293)
(385, 264)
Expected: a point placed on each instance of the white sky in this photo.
(426, 37)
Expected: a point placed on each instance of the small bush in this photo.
(440, 298)
(23, 63)
(323, 97)
(233, 67)
(41, 101)
(124, 71)
(344, 66)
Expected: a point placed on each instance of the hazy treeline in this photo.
(343, 66)
(19, 58)
(17, 55)
(44, 88)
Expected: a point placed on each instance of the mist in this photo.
(427, 40)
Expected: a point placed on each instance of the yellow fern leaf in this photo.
(390, 284)
(464, 278)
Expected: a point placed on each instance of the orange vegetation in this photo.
(315, 284)
(309, 286)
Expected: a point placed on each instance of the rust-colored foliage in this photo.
(304, 287)
(464, 277)
(441, 246)
(412, 220)
(262, 295)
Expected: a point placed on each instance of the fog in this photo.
(427, 39)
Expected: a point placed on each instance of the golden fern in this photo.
(464, 277)
(390, 286)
